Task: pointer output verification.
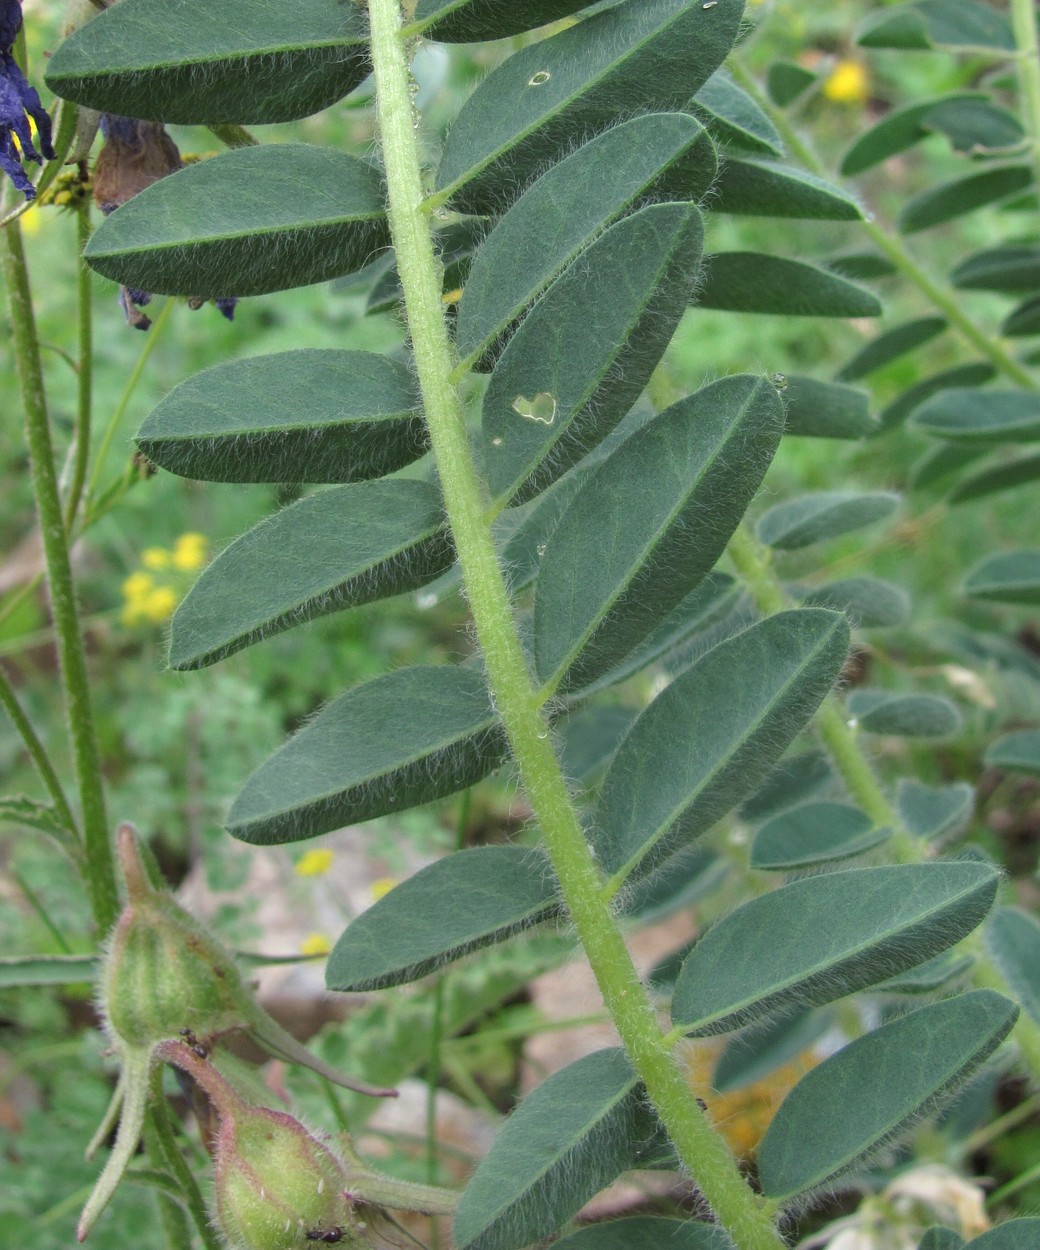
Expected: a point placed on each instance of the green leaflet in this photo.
(817, 409)
(862, 266)
(335, 549)
(761, 188)
(787, 80)
(914, 715)
(300, 416)
(664, 156)
(1023, 321)
(580, 359)
(247, 222)
(940, 461)
(914, 396)
(572, 1136)
(927, 977)
(758, 1051)
(471, 21)
(813, 834)
(821, 516)
(647, 1232)
(795, 778)
(899, 130)
(975, 126)
(1012, 267)
(868, 602)
(411, 736)
(696, 752)
(965, 25)
(819, 938)
(640, 56)
(891, 345)
(882, 1082)
(658, 513)
(1005, 475)
(937, 1238)
(1011, 577)
(193, 62)
(755, 283)
(1014, 1235)
(950, 200)
(733, 117)
(1013, 940)
(981, 416)
(931, 812)
(589, 738)
(47, 970)
(458, 904)
(1016, 752)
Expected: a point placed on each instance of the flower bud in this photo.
(163, 971)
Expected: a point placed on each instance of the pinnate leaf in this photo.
(411, 736)
(299, 416)
(335, 549)
(456, 905)
(568, 1139)
(247, 222)
(897, 131)
(819, 938)
(697, 751)
(658, 513)
(193, 62)
(882, 1082)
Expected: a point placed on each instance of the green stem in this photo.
(37, 752)
(942, 297)
(84, 374)
(124, 400)
(162, 1132)
(99, 869)
(1023, 20)
(746, 1217)
(171, 1213)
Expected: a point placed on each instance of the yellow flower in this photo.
(189, 552)
(381, 887)
(160, 604)
(155, 558)
(315, 944)
(847, 83)
(314, 864)
(136, 589)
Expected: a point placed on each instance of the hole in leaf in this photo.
(537, 80)
(542, 408)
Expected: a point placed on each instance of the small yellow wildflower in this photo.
(156, 558)
(138, 586)
(847, 83)
(315, 944)
(382, 886)
(159, 605)
(314, 864)
(189, 552)
(31, 221)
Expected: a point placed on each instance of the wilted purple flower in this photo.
(19, 101)
(134, 155)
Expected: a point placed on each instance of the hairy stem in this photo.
(1023, 19)
(944, 298)
(84, 374)
(746, 1217)
(161, 1132)
(99, 869)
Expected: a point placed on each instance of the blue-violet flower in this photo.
(19, 101)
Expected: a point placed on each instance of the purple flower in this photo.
(19, 101)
